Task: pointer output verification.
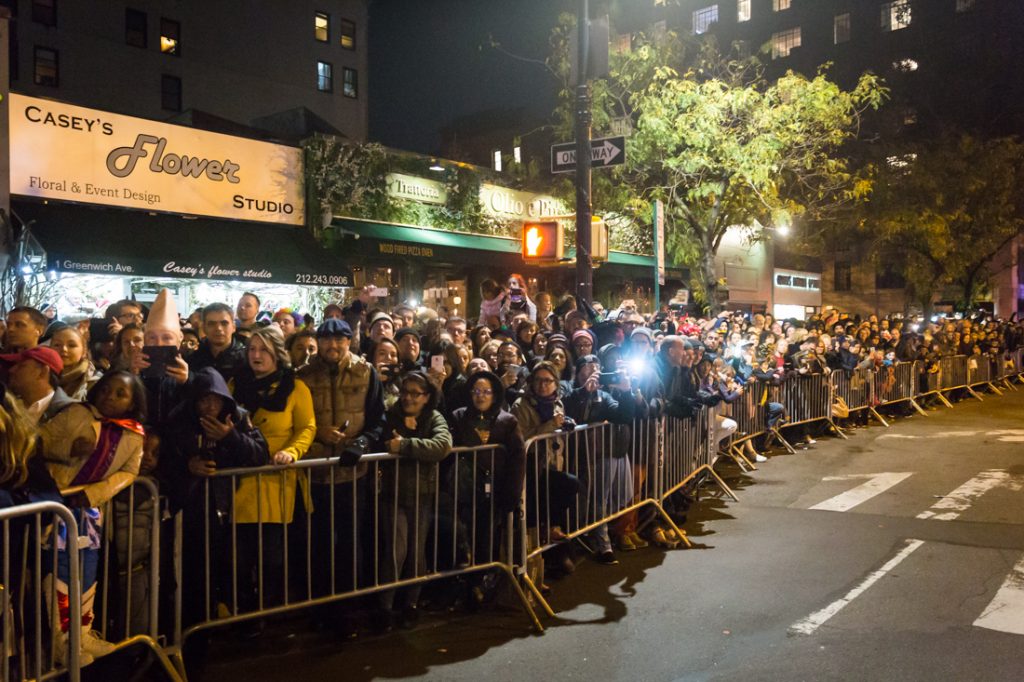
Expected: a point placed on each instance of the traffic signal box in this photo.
(542, 242)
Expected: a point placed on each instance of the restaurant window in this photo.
(322, 27)
(784, 42)
(324, 77)
(841, 29)
(170, 37)
(47, 67)
(135, 28)
(170, 93)
(44, 12)
(348, 34)
(350, 86)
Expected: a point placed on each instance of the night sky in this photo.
(431, 62)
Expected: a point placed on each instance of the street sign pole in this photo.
(659, 238)
(584, 263)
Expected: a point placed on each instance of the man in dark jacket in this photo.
(221, 349)
(207, 432)
(348, 401)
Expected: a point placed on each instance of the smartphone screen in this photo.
(159, 358)
(437, 363)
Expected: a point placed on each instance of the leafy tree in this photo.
(719, 144)
(946, 207)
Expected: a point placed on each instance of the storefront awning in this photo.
(83, 239)
(431, 238)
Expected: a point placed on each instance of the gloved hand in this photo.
(352, 453)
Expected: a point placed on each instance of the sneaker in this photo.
(606, 558)
(637, 541)
(760, 458)
(62, 651)
(661, 539)
(95, 646)
(810, 441)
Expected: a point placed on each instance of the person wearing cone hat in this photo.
(163, 328)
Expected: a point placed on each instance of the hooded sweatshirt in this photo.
(506, 471)
(244, 446)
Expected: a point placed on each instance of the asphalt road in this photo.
(822, 571)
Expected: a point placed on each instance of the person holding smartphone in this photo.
(163, 371)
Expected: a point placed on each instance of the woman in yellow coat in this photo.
(282, 409)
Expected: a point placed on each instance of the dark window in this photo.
(135, 28)
(888, 277)
(800, 282)
(170, 92)
(44, 12)
(784, 280)
(324, 77)
(348, 34)
(351, 83)
(844, 276)
(170, 37)
(322, 27)
(46, 67)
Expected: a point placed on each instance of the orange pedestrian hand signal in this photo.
(542, 242)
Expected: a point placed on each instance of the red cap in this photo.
(41, 354)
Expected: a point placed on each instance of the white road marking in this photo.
(1006, 611)
(960, 500)
(877, 483)
(808, 625)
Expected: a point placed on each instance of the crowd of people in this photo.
(89, 405)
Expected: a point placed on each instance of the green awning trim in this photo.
(462, 240)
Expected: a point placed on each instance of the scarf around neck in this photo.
(254, 394)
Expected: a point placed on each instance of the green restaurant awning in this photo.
(423, 236)
(103, 241)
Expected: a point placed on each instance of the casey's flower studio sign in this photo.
(69, 153)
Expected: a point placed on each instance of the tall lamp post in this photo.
(584, 262)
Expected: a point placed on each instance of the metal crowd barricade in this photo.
(28, 601)
(129, 586)
(857, 389)
(399, 524)
(897, 383)
(980, 373)
(954, 375)
(580, 480)
(750, 423)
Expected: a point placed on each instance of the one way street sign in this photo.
(604, 152)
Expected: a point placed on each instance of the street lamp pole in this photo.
(584, 262)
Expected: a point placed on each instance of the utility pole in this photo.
(584, 262)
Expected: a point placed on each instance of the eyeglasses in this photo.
(412, 394)
(481, 392)
(130, 316)
(544, 382)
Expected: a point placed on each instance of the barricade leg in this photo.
(838, 431)
(884, 423)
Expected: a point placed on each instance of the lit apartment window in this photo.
(742, 10)
(47, 64)
(966, 5)
(497, 159)
(348, 34)
(622, 43)
(170, 93)
(703, 18)
(170, 37)
(350, 82)
(841, 29)
(135, 28)
(324, 77)
(783, 42)
(322, 27)
(44, 12)
(517, 154)
(895, 15)
(779, 5)
(909, 116)
(905, 65)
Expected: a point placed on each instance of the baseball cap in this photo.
(41, 354)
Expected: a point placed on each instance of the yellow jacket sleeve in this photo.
(303, 421)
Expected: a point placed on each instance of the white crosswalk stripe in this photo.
(1006, 610)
